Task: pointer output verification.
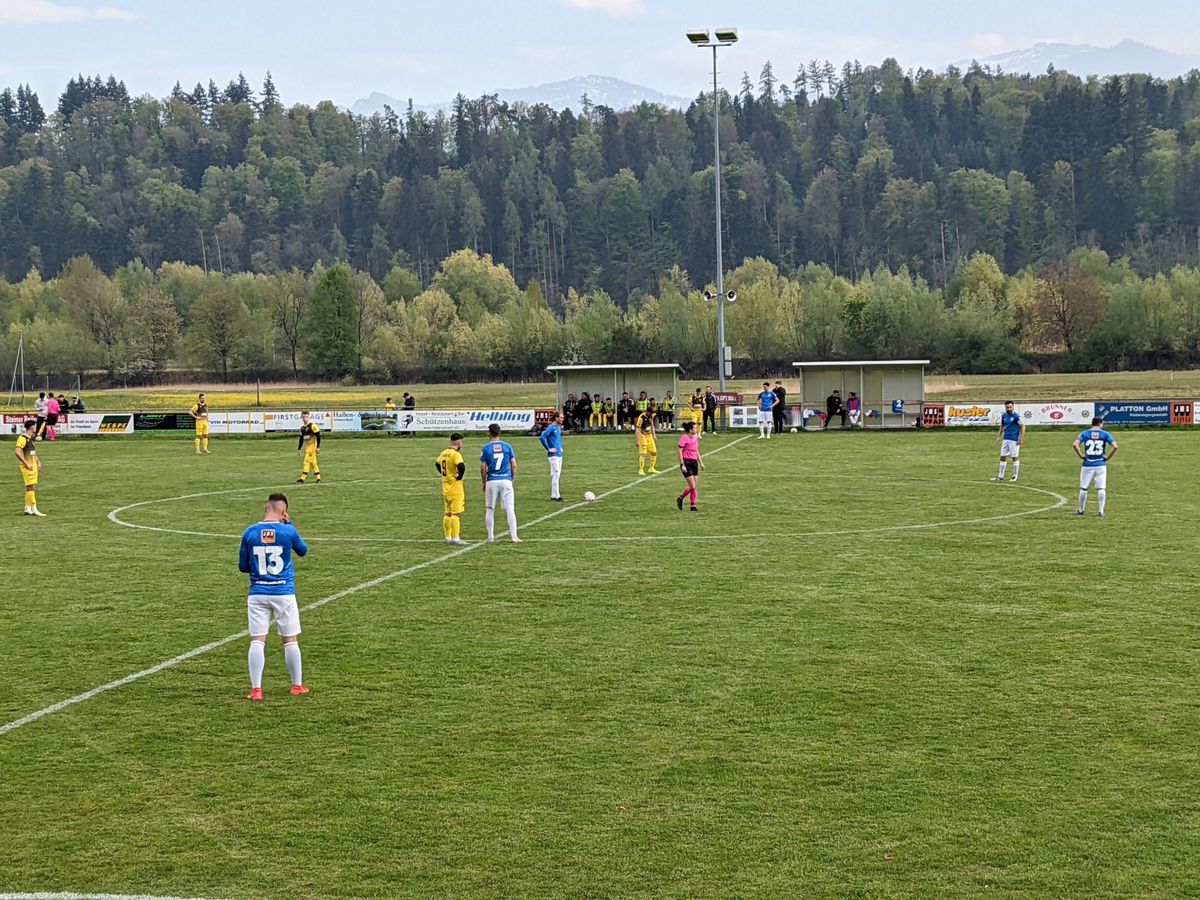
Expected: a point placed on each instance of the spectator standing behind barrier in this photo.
(77, 405)
(39, 412)
(834, 407)
(410, 402)
(389, 405)
(777, 413)
(624, 411)
(854, 407)
(710, 410)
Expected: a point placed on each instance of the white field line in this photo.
(71, 896)
(366, 585)
(1060, 501)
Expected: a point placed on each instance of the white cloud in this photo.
(27, 12)
(614, 8)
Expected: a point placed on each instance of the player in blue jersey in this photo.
(767, 401)
(266, 556)
(551, 439)
(1092, 447)
(1011, 435)
(498, 469)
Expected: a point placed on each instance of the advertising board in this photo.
(1049, 412)
(1183, 412)
(958, 414)
(933, 415)
(101, 423)
(290, 421)
(238, 423)
(163, 422)
(1134, 412)
(513, 420)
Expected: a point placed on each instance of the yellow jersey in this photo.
(310, 436)
(200, 410)
(447, 464)
(645, 424)
(25, 445)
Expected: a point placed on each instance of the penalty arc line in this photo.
(366, 585)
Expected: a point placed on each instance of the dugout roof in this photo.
(879, 382)
(612, 380)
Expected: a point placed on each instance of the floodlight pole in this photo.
(720, 254)
(721, 38)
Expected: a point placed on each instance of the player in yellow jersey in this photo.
(30, 466)
(696, 404)
(451, 466)
(310, 443)
(645, 436)
(199, 412)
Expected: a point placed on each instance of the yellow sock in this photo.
(30, 499)
(455, 526)
(197, 444)
(204, 441)
(448, 526)
(653, 460)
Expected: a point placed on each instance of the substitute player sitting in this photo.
(1011, 435)
(29, 465)
(452, 468)
(310, 444)
(266, 556)
(645, 436)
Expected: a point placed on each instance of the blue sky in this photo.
(429, 51)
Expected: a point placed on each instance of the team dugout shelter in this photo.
(613, 380)
(892, 391)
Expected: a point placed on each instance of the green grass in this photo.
(1069, 386)
(634, 702)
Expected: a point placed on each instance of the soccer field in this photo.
(861, 669)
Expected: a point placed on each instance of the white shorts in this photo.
(1010, 448)
(501, 491)
(263, 608)
(855, 415)
(1089, 475)
(765, 417)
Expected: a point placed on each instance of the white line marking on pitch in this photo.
(69, 896)
(1060, 501)
(374, 582)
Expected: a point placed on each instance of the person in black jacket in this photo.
(710, 411)
(834, 407)
(583, 411)
(568, 411)
(778, 413)
(624, 412)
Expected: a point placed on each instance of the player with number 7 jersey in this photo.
(266, 556)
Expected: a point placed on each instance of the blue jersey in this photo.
(766, 400)
(551, 438)
(498, 456)
(1011, 423)
(1094, 442)
(267, 557)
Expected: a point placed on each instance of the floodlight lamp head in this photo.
(730, 296)
(726, 35)
(698, 35)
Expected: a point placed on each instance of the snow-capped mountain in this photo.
(600, 89)
(1084, 59)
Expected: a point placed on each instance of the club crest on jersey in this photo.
(267, 535)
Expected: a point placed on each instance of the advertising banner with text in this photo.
(958, 414)
(1068, 412)
(511, 420)
(1134, 412)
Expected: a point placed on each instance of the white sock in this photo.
(1003, 466)
(1016, 468)
(258, 659)
(512, 521)
(291, 656)
(1082, 499)
(1101, 496)
(489, 519)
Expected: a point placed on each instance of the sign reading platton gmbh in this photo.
(1134, 412)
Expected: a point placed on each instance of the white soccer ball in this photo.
(795, 431)
(589, 496)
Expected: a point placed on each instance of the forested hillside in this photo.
(858, 178)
